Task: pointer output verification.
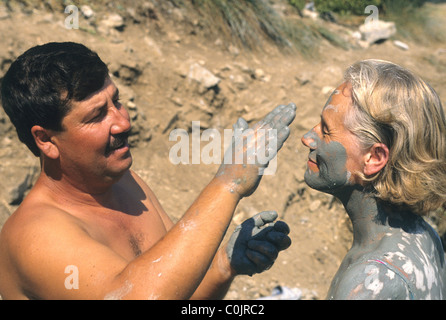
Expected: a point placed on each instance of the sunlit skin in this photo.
(93, 130)
(395, 254)
(89, 210)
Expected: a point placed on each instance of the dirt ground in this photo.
(149, 55)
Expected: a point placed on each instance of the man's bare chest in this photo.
(126, 234)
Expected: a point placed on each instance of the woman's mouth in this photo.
(312, 164)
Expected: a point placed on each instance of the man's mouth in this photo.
(119, 141)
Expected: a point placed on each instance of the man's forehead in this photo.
(109, 88)
(96, 99)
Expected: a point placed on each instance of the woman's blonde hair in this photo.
(391, 105)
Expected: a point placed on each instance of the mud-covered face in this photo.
(326, 167)
(334, 151)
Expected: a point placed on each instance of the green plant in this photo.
(246, 22)
(414, 20)
(299, 4)
(249, 22)
(344, 7)
(243, 21)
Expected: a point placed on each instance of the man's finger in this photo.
(281, 116)
(279, 239)
(270, 116)
(264, 217)
(241, 124)
(282, 135)
(281, 226)
(284, 117)
(261, 261)
(264, 247)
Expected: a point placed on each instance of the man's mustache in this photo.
(118, 141)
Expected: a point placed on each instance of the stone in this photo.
(111, 22)
(315, 205)
(378, 30)
(203, 76)
(153, 46)
(87, 12)
(4, 14)
(310, 14)
(401, 45)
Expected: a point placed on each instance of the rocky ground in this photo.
(170, 74)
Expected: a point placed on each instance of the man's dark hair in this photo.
(39, 85)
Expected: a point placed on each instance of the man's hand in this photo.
(253, 148)
(256, 243)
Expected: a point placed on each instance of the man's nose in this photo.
(121, 121)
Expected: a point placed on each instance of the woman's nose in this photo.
(310, 139)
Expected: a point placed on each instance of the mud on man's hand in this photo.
(256, 243)
(253, 148)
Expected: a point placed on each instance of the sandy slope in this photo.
(151, 59)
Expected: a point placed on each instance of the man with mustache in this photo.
(89, 213)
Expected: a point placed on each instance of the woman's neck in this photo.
(368, 217)
(373, 219)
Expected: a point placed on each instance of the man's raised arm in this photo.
(175, 266)
(189, 247)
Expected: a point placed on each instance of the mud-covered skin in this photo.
(331, 158)
(395, 254)
(253, 148)
(255, 244)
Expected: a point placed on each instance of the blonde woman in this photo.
(380, 148)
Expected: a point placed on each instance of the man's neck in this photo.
(75, 185)
(76, 191)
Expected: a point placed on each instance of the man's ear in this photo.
(43, 140)
(376, 159)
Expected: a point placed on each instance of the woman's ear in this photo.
(43, 140)
(376, 159)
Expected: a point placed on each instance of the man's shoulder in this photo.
(139, 190)
(135, 186)
(32, 219)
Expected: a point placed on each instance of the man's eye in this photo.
(117, 102)
(99, 116)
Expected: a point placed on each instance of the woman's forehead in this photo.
(339, 101)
